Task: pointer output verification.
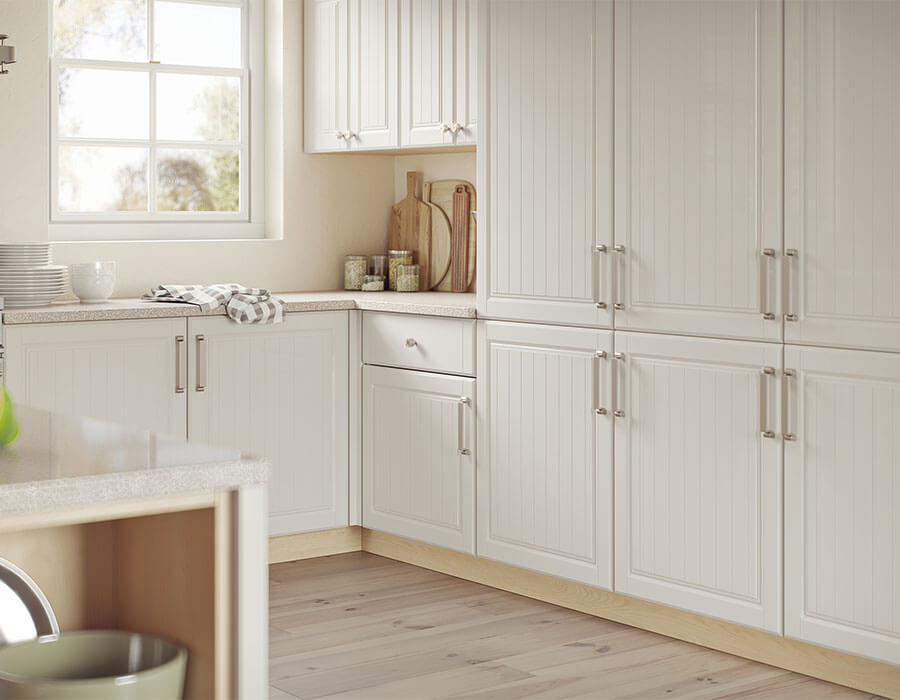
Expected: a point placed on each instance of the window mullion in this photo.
(152, 156)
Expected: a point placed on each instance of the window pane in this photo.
(197, 35)
(198, 180)
(114, 30)
(198, 108)
(104, 103)
(102, 179)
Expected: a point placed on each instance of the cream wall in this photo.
(435, 166)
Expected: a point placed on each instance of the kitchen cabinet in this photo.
(418, 456)
(438, 60)
(545, 449)
(131, 372)
(545, 167)
(698, 160)
(280, 391)
(842, 163)
(842, 487)
(351, 75)
(698, 475)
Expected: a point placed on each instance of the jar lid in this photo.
(374, 278)
(400, 252)
(357, 257)
(408, 268)
(378, 256)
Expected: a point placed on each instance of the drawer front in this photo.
(419, 342)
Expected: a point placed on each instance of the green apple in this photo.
(9, 426)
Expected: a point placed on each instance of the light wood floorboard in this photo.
(364, 627)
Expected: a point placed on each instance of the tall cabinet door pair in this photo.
(713, 181)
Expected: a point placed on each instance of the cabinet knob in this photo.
(444, 128)
(340, 135)
(411, 342)
(352, 135)
(456, 127)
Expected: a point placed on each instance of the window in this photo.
(152, 124)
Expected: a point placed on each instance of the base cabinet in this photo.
(842, 490)
(418, 456)
(698, 484)
(545, 453)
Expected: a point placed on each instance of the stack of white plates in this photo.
(26, 276)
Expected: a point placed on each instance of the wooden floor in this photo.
(361, 626)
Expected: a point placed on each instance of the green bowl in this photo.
(93, 665)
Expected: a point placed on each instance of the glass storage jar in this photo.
(395, 258)
(407, 278)
(354, 271)
(373, 283)
(378, 265)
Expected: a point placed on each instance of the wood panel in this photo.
(326, 74)
(374, 118)
(546, 104)
(842, 161)
(545, 456)
(698, 495)
(309, 545)
(842, 524)
(698, 165)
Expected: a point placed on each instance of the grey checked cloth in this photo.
(242, 304)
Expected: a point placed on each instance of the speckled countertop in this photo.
(63, 462)
(424, 303)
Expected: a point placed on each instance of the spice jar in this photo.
(407, 278)
(354, 271)
(378, 265)
(373, 283)
(395, 258)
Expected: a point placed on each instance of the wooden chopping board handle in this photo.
(411, 178)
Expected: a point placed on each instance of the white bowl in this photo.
(93, 282)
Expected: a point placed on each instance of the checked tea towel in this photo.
(242, 304)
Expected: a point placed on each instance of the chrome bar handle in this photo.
(790, 255)
(202, 363)
(598, 409)
(764, 257)
(180, 364)
(786, 432)
(600, 249)
(462, 402)
(618, 412)
(619, 305)
(764, 375)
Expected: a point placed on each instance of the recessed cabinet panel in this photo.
(327, 75)
(698, 167)
(842, 487)
(546, 161)
(842, 166)
(698, 495)
(545, 453)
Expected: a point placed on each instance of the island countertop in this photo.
(61, 461)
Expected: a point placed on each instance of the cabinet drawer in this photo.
(419, 342)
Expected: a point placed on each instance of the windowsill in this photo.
(163, 232)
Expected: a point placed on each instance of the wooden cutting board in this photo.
(410, 229)
(440, 239)
(441, 194)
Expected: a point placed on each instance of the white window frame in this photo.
(246, 223)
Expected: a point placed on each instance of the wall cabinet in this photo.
(698, 475)
(545, 449)
(545, 172)
(130, 372)
(418, 456)
(326, 75)
(842, 489)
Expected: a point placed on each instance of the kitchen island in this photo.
(128, 529)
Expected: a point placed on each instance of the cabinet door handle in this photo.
(444, 127)
(462, 402)
(411, 342)
(765, 255)
(790, 255)
(180, 364)
(340, 135)
(618, 412)
(598, 409)
(786, 432)
(764, 375)
(202, 364)
(620, 249)
(456, 127)
(601, 251)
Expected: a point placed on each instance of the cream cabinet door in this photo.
(327, 75)
(698, 485)
(279, 392)
(419, 457)
(545, 449)
(698, 167)
(842, 490)
(842, 166)
(128, 372)
(465, 75)
(545, 166)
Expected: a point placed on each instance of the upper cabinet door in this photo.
(842, 490)
(373, 74)
(842, 166)
(698, 167)
(465, 120)
(545, 166)
(326, 52)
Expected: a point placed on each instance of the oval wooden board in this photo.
(440, 239)
(440, 193)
